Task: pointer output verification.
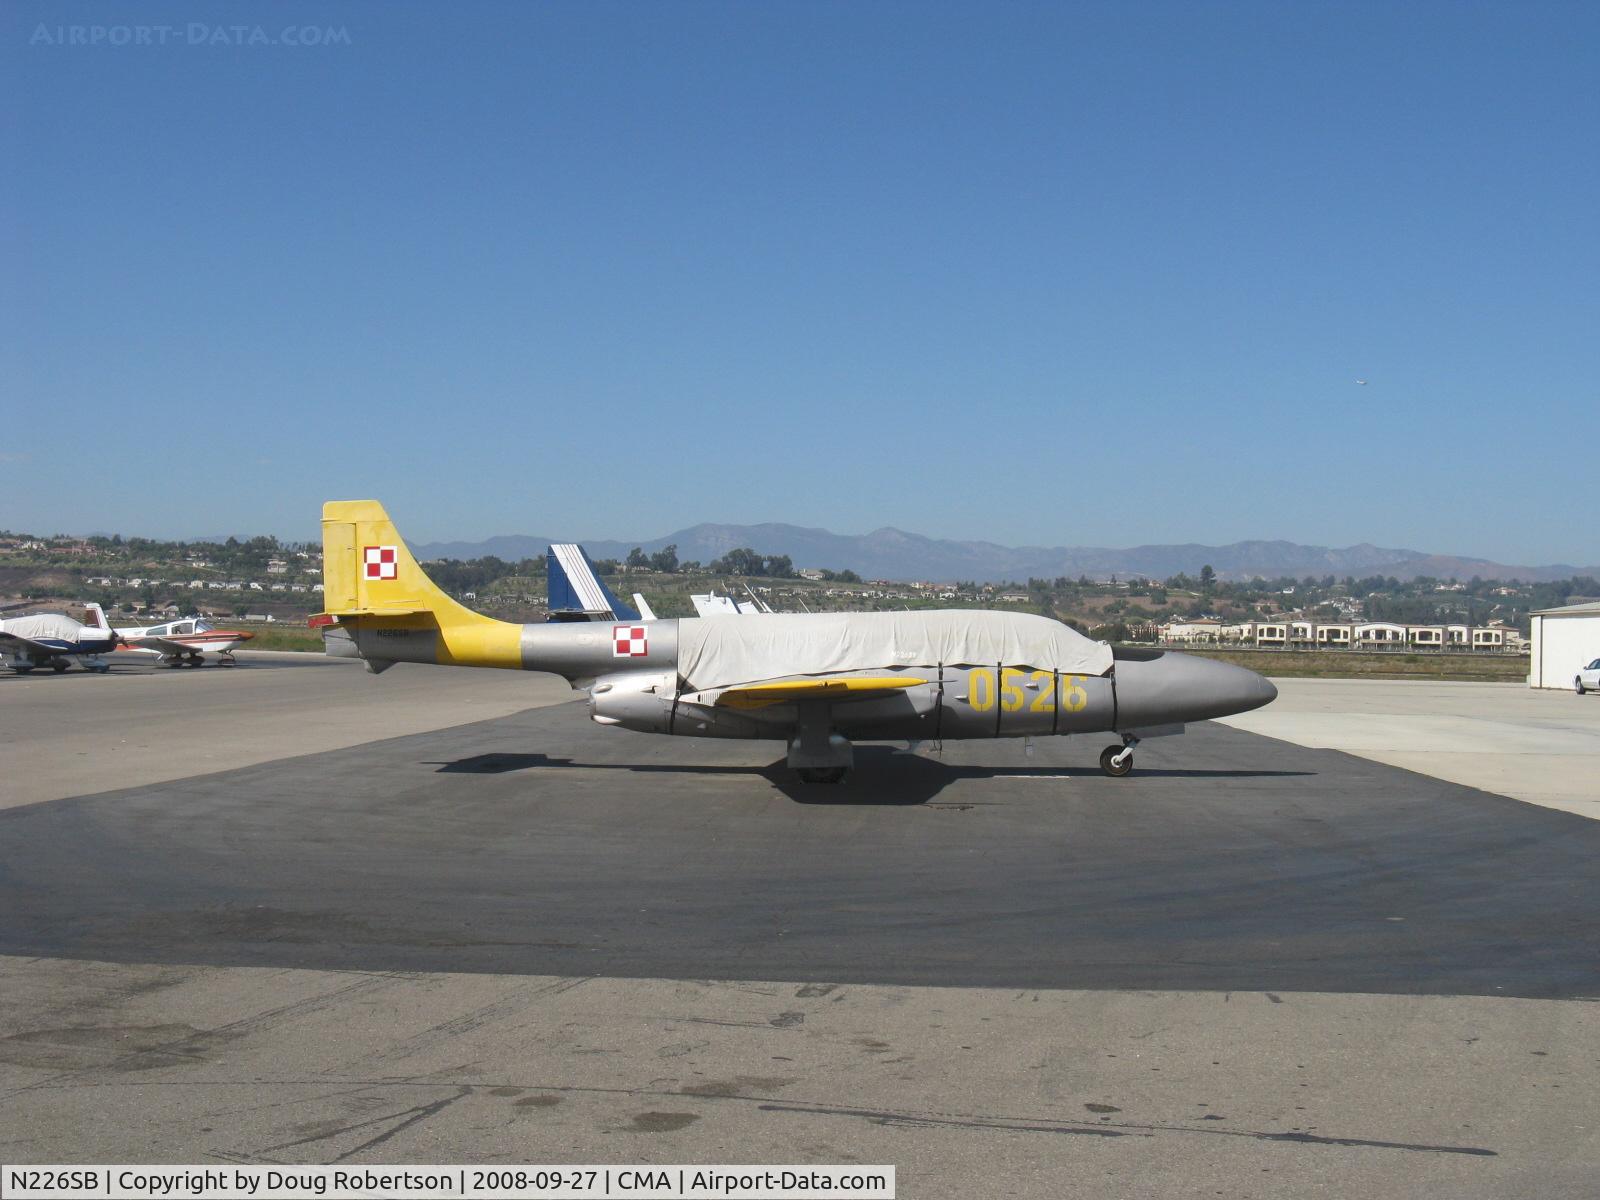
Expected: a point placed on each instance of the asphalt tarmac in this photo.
(1250, 968)
(1536, 745)
(540, 843)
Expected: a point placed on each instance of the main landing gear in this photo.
(822, 774)
(1117, 761)
(816, 753)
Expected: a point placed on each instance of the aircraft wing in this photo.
(13, 641)
(834, 691)
(159, 645)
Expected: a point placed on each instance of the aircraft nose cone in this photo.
(1265, 692)
(1176, 688)
(1221, 689)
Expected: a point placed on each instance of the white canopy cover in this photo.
(720, 652)
(54, 626)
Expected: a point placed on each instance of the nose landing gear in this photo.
(1117, 761)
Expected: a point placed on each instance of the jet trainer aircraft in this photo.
(54, 639)
(814, 680)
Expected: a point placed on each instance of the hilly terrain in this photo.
(890, 553)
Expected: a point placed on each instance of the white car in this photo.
(1587, 678)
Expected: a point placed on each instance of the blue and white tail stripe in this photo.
(575, 590)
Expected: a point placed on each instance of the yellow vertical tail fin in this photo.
(372, 583)
(367, 569)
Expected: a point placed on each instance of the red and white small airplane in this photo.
(185, 642)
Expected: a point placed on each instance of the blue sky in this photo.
(1094, 274)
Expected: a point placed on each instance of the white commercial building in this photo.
(1564, 639)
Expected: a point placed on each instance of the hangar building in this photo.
(1564, 639)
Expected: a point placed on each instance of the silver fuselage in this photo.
(1145, 692)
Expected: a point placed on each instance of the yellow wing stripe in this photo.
(790, 691)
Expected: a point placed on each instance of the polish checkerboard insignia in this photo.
(381, 562)
(629, 641)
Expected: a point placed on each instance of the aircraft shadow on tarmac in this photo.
(883, 775)
(151, 667)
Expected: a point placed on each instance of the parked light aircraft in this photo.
(185, 642)
(713, 605)
(817, 681)
(574, 591)
(54, 639)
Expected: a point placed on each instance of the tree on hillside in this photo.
(637, 559)
(665, 561)
(743, 561)
(1208, 578)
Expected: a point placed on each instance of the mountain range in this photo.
(890, 553)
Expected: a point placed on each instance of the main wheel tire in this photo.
(58, 666)
(1110, 767)
(1577, 685)
(22, 670)
(821, 774)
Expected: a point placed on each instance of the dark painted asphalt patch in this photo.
(540, 843)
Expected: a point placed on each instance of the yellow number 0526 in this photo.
(1012, 697)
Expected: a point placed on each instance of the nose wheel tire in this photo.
(1110, 765)
(58, 666)
(1577, 685)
